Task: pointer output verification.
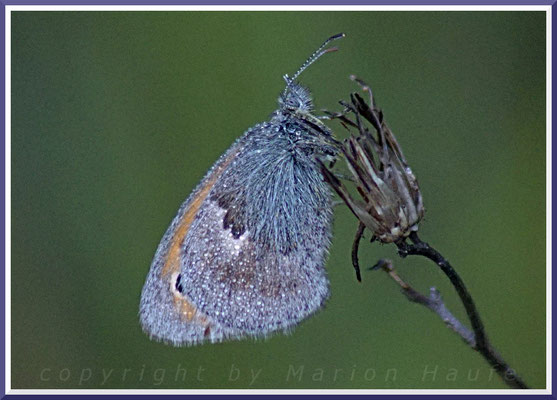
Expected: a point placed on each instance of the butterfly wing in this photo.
(165, 313)
(245, 254)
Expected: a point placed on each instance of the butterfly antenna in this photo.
(314, 57)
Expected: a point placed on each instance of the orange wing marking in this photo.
(172, 263)
(187, 310)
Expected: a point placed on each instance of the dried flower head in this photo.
(391, 206)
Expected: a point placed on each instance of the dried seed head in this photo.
(391, 206)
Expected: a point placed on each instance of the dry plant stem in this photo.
(481, 342)
(355, 247)
(433, 302)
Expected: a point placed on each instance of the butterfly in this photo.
(245, 254)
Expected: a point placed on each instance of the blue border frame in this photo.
(3, 5)
(285, 2)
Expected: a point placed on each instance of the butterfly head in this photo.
(297, 99)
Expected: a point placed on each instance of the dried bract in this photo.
(391, 204)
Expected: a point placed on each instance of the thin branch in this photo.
(433, 302)
(482, 343)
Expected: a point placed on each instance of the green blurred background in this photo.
(117, 115)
